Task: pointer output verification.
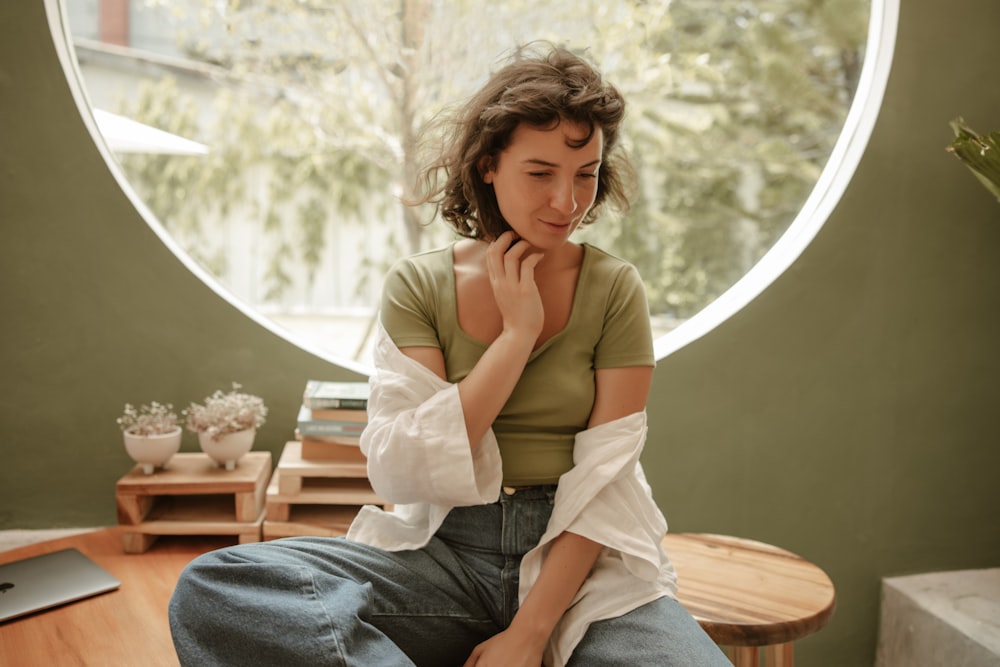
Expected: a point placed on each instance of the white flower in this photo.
(153, 419)
(223, 413)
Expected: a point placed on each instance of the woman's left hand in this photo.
(507, 649)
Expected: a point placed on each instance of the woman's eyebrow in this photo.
(546, 163)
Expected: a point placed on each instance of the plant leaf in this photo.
(981, 154)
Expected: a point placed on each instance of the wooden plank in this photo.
(189, 474)
(133, 509)
(203, 515)
(293, 465)
(253, 534)
(293, 468)
(137, 543)
(290, 485)
(249, 504)
(191, 515)
(277, 511)
(322, 491)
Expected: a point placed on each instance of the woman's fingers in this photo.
(504, 255)
(495, 255)
(511, 264)
(528, 266)
(514, 257)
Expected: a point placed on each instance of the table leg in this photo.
(780, 655)
(746, 656)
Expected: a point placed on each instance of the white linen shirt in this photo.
(419, 458)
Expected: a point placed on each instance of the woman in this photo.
(506, 421)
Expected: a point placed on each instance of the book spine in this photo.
(314, 403)
(340, 415)
(330, 428)
(346, 440)
(324, 451)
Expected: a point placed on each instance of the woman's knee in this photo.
(660, 633)
(196, 587)
(218, 581)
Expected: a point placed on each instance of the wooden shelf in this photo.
(344, 491)
(193, 496)
(294, 469)
(315, 496)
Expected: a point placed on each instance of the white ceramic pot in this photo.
(152, 451)
(227, 449)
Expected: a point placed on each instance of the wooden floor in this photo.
(124, 628)
(744, 593)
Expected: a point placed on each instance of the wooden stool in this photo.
(193, 496)
(751, 598)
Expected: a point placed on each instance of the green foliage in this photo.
(276, 278)
(732, 138)
(980, 153)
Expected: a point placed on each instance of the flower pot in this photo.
(152, 451)
(228, 448)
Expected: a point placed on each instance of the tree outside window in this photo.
(316, 111)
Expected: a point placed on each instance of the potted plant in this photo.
(226, 424)
(152, 434)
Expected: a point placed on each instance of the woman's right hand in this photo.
(511, 265)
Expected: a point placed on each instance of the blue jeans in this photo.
(328, 601)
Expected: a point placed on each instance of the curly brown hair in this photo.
(542, 91)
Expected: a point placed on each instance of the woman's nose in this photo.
(564, 197)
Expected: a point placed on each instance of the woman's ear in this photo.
(486, 169)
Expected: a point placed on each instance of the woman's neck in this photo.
(567, 256)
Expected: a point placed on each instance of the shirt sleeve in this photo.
(408, 308)
(626, 338)
(415, 441)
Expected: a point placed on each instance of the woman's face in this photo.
(544, 186)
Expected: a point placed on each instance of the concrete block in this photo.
(940, 619)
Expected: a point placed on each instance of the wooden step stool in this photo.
(295, 470)
(751, 598)
(315, 497)
(193, 496)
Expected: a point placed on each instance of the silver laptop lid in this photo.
(49, 580)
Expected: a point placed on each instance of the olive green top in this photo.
(608, 327)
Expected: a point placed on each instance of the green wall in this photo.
(847, 414)
(96, 310)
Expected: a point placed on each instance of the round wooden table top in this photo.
(747, 593)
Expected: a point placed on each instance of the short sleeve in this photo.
(626, 337)
(408, 310)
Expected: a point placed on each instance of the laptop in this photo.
(46, 581)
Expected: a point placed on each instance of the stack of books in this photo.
(331, 419)
(321, 480)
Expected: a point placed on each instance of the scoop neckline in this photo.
(453, 295)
